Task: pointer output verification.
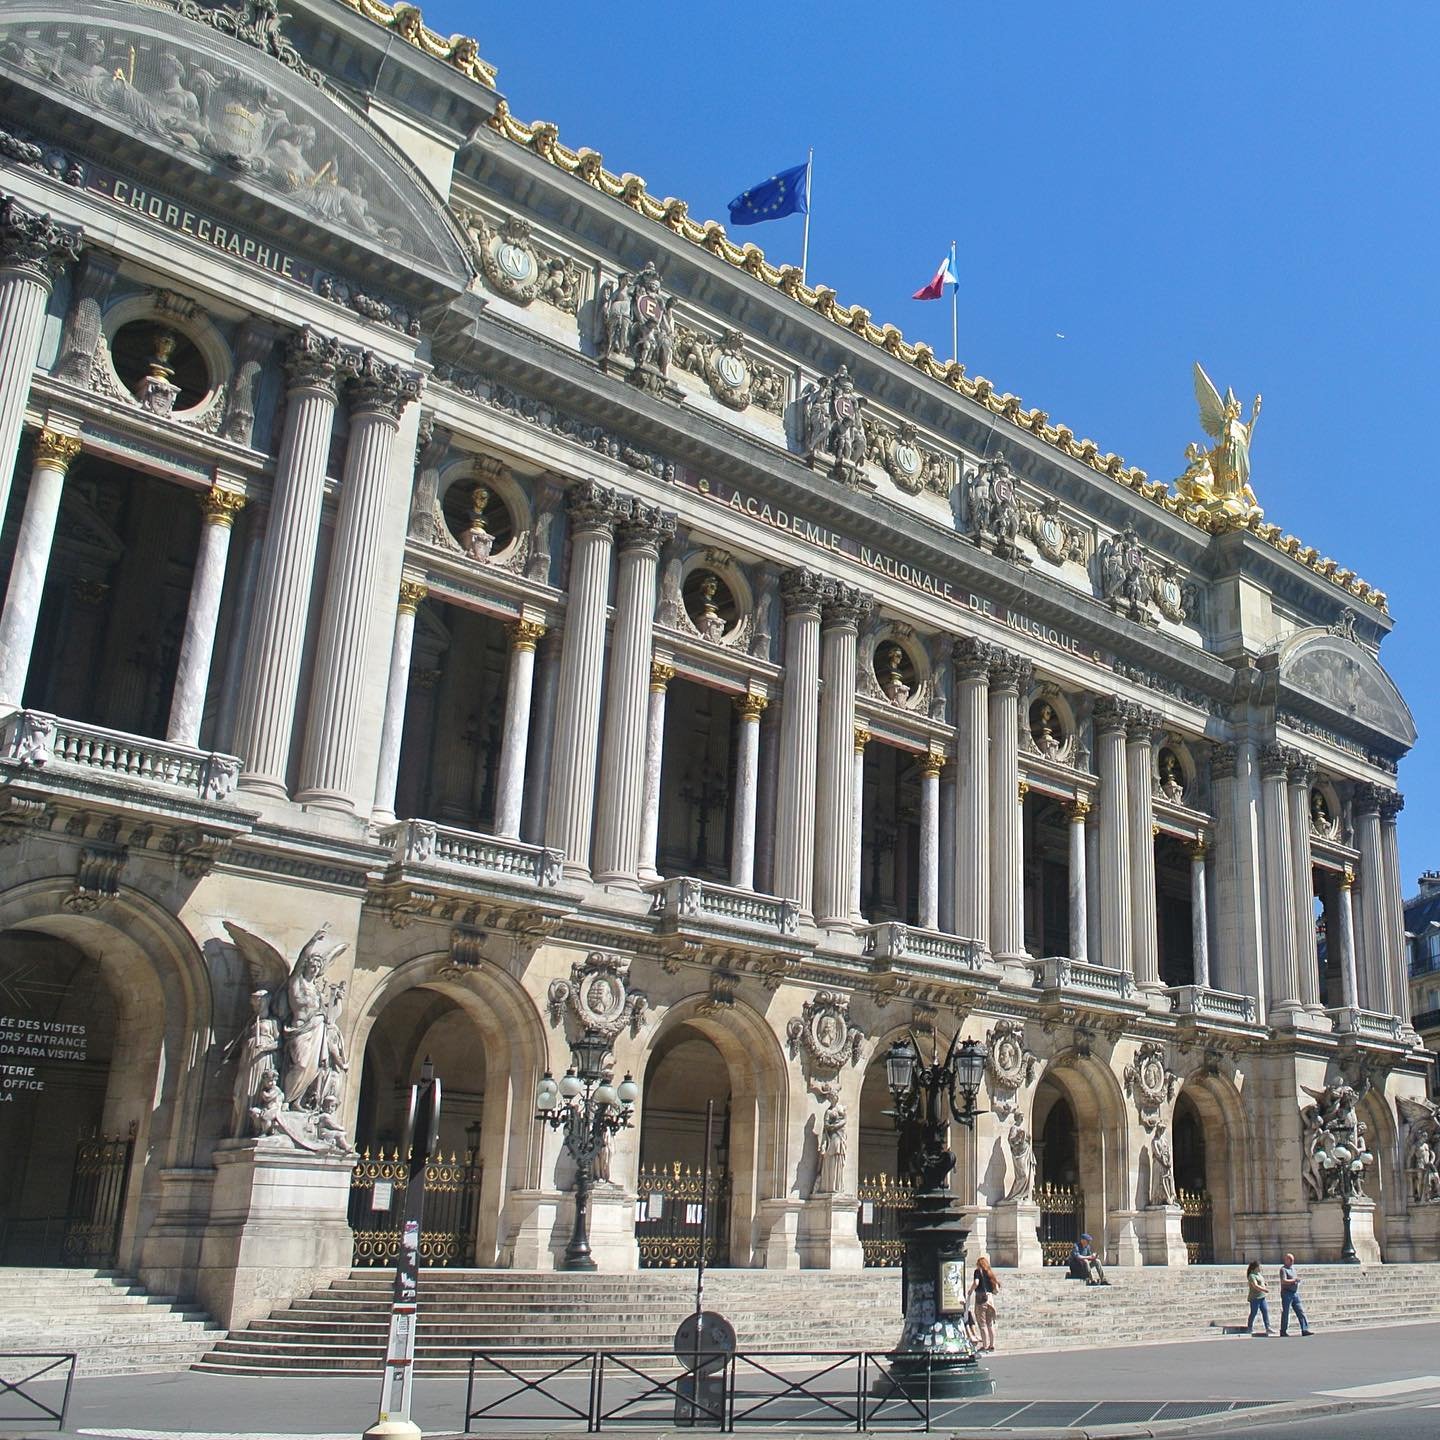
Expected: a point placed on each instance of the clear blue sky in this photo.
(1248, 185)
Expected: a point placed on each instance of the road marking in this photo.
(1389, 1387)
(204, 1435)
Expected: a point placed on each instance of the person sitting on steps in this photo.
(1085, 1263)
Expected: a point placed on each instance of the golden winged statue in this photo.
(1217, 480)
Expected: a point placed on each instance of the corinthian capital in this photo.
(645, 525)
(378, 387)
(803, 590)
(1111, 713)
(1368, 798)
(846, 606)
(35, 243)
(593, 506)
(1302, 769)
(972, 657)
(314, 360)
(1141, 724)
(1009, 671)
(1392, 802)
(1275, 760)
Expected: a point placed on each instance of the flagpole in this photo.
(805, 244)
(954, 308)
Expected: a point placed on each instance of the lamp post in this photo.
(1352, 1177)
(934, 1356)
(588, 1108)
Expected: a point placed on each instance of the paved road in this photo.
(1338, 1367)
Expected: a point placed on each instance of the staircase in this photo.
(113, 1324)
(342, 1329)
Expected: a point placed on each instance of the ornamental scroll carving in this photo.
(1150, 1084)
(598, 996)
(1131, 582)
(822, 1032)
(912, 466)
(735, 379)
(517, 267)
(1009, 1066)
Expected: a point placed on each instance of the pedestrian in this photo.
(1290, 1298)
(1258, 1288)
(983, 1287)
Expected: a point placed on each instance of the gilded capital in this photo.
(1347, 879)
(1079, 810)
(749, 706)
(56, 451)
(932, 764)
(526, 634)
(661, 675)
(412, 592)
(1198, 848)
(1022, 790)
(220, 506)
(862, 739)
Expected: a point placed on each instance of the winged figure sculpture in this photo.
(1218, 479)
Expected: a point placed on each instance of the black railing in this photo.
(1197, 1226)
(630, 1389)
(37, 1365)
(670, 1215)
(452, 1195)
(96, 1209)
(1426, 1020)
(1061, 1210)
(882, 1202)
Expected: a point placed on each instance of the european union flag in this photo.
(787, 193)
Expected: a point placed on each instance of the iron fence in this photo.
(47, 1364)
(1197, 1226)
(1062, 1210)
(670, 1218)
(452, 1195)
(95, 1210)
(882, 1202)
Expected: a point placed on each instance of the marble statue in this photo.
(834, 1147)
(636, 327)
(1022, 1158)
(1162, 1169)
(258, 1045)
(1170, 784)
(710, 623)
(994, 507)
(832, 429)
(1333, 1140)
(1422, 1149)
(1043, 733)
(892, 680)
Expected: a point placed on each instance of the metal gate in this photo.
(669, 1219)
(1197, 1226)
(377, 1203)
(1062, 1208)
(96, 1208)
(882, 1201)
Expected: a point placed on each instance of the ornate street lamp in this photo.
(589, 1108)
(934, 1355)
(1352, 1180)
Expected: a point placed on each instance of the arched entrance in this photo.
(1207, 1131)
(1192, 1182)
(686, 1073)
(882, 1192)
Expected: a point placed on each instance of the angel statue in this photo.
(1422, 1149)
(1218, 479)
(292, 1052)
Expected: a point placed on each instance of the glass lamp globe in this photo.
(969, 1068)
(629, 1091)
(900, 1067)
(546, 1093)
(605, 1095)
(571, 1085)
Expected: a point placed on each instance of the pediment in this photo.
(1324, 670)
(208, 118)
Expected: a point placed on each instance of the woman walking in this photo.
(983, 1287)
(1258, 1288)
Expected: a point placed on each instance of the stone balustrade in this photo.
(1058, 972)
(443, 847)
(1365, 1024)
(1206, 1004)
(686, 899)
(894, 941)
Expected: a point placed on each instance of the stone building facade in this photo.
(455, 599)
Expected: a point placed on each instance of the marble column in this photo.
(972, 789)
(947, 850)
(1079, 896)
(661, 674)
(34, 250)
(765, 799)
(397, 695)
(243, 609)
(1283, 980)
(1144, 933)
(80, 334)
(537, 781)
(642, 532)
(197, 646)
(1009, 677)
(749, 708)
(834, 800)
(1396, 951)
(270, 682)
(1371, 922)
(1111, 718)
(570, 809)
(378, 392)
(857, 821)
(525, 635)
(802, 592)
(1349, 990)
(929, 910)
(1299, 778)
(1199, 915)
(54, 453)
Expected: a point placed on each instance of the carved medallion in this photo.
(1151, 1085)
(597, 994)
(824, 1032)
(1009, 1066)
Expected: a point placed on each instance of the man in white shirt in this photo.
(1290, 1298)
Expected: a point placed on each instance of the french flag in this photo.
(935, 290)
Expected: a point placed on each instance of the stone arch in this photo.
(1228, 1139)
(164, 1034)
(1103, 1149)
(761, 1085)
(1385, 1180)
(517, 1051)
(186, 318)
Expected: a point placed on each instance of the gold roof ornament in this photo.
(1215, 487)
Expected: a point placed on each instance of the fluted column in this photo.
(197, 646)
(749, 708)
(972, 789)
(34, 249)
(1299, 777)
(80, 334)
(642, 531)
(397, 693)
(857, 820)
(1283, 982)
(834, 808)
(661, 674)
(1371, 922)
(1111, 719)
(378, 392)
(929, 910)
(802, 592)
(270, 682)
(537, 781)
(571, 808)
(1396, 954)
(53, 456)
(525, 635)
(947, 850)
(1144, 933)
(1079, 898)
(1009, 676)
(1349, 990)
(1199, 917)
